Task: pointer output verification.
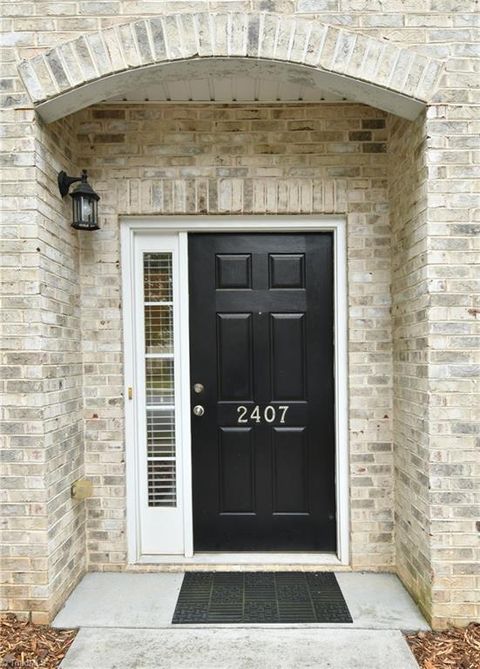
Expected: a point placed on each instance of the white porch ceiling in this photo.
(227, 81)
(246, 80)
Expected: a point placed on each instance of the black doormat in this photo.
(260, 597)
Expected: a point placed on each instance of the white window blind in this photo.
(159, 379)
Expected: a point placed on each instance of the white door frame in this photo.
(131, 226)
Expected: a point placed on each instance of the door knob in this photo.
(198, 410)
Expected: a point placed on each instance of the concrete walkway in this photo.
(238, 649)
(125, 623)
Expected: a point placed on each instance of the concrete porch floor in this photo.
(125, 621)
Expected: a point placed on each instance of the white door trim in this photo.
(181, 225)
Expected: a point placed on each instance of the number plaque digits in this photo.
(269, 414)
(242, 411)
(255, 415)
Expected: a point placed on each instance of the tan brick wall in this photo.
(453, 356)
(408, 217)
(23, 537)
(241, 159)
(62, 368)
(435, 290)
(435, 336)
(42, 441)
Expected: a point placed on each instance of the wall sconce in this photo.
(84, 200)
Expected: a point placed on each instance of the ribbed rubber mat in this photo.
(260, 597)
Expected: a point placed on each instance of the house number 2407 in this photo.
(269, 414)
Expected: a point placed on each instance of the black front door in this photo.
(261, 347)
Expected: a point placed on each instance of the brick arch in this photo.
(86, 70)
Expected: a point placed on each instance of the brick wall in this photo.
(23, 538)
(453, 354)
(241, 159)
(408, 202)
(43, 541)
(62, 367)
(433, 198)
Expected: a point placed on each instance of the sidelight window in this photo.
(159, 379)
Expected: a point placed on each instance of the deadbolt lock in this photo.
(198, 388)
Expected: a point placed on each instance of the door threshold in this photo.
(257, 559)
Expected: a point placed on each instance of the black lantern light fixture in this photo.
(84, 200)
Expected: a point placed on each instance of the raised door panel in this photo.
(290, 470)
(287, 350)
(234, 350)
(236, 470)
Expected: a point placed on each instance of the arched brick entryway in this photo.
(91, 68)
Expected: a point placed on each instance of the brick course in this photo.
(254, 35)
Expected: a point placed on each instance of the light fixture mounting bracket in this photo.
(64, 182)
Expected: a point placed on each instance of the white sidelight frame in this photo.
(163, 233)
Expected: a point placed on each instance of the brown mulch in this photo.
(24, 645)
(452, 649)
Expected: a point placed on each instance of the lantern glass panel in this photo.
(76, 210)
(87, 209)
